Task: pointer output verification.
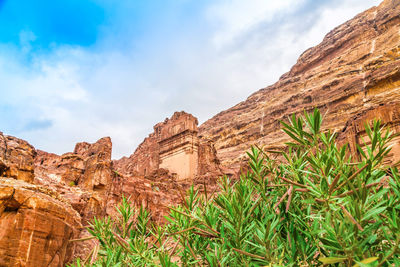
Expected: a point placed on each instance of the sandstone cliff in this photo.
(355, 68)
(353, 76)
(176, 146)
(36, 223)
(16, 158)
(83, 177)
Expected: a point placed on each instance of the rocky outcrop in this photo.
(143, 161)
(353, 76)
(356, 68)
(83, 177)
(354, 132)
(156, 192)
(174, 145)
(35, 226)
(161, 190)
(166, 164)
(179, 145)
(16, 158)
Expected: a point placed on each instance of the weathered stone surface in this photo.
(179, 144)
(35, 226)
(209, 163)
(174, 145)
(84, 177)
(65, 169)
(166, 164)
(143, 161)
(16, 158)
(354, 132)
(156, 193)
(161, 190)
(356, 68)
(353, 76)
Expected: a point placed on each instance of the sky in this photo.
(79, 70)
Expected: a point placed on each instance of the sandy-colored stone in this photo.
(35, 226)
(354, 69)
(354, 132)
(174, 145)
(84, 176)
(179, 145)
(352, 76)
(16, 158)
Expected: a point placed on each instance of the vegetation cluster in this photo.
(310, 204)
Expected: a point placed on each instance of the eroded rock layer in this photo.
(16, 158)
(174, 145)
(353, 76)
(355, 69)
(35, 226)
(36, 223)
(84, 176)
(354, 132)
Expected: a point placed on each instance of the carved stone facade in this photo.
(179, 145)
(354, 133)
(175, 146)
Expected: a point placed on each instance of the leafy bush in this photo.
(315, 205)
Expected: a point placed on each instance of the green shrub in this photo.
(315, 205)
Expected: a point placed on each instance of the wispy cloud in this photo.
(140, 68)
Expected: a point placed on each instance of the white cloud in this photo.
(236, 17)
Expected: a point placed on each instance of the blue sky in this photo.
(79, 70)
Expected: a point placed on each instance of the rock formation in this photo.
(36, 224)
(16, 158)
(179, 145)
(83, 177)
(175, 146)
(353, 76)
(167, 163)
(354, 132)
(355, 69)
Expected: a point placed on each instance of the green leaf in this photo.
(331, 260)
(365, 261)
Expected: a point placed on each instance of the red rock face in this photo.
(84, 177)
(35, 226)
(356, 68)
(143, 161)
(354, 132)
(143, 178)
(156, 193)
(353, 76)
(174, 142)
(35, 222)
(16, 158)
(161, 190)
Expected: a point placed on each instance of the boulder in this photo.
(36, 225)
(16, 158)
